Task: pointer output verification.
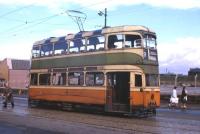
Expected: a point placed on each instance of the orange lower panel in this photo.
(143, 98)
(68, 95)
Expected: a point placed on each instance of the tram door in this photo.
(118, 91)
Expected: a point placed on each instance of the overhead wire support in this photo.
(78, 17)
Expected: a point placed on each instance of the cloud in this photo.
(111, 4)
(62, 32)
(20, 50)
(179, 56)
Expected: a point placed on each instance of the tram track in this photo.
(133, 125)
(152, 125)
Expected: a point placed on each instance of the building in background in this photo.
(14, 73)
(194, 71)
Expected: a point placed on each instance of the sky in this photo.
(176, 23)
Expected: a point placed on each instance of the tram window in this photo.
(132, 40)
(44, 79)
(151, 80)
(138, 80)
(150, 41)
(60, 48)
(115, 41)
(95, 43)
(94, 79)
(36, 51)
(34, 79)
(76, 78)
(73, 50)
(59, 79)
(90, 48)
(47, 50)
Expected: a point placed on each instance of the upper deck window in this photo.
(95, 43)
(115, 41)
(150, 41)
(132, 41)
(60, 47)
(47, 49)
(76, 45)
(36, 51)
(124, 41)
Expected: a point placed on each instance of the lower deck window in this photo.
(44, 79)
(94, 79)
(152, 80)
(34, 79)
(138, 80)
(59, 79)
(76, 78)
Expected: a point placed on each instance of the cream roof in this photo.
(126, 29)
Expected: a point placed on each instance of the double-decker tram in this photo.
(114, 69)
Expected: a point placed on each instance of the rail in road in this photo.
(166, 121)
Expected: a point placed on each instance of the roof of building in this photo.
(194, 70)
(20, 64)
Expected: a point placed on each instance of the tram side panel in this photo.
(145, 99)
(74, 95)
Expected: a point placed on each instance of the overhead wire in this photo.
(45, 19)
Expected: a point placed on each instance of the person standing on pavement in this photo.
(8, 97)
(184, 97)
(173, 98)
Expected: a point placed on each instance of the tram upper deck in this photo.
(122, 44)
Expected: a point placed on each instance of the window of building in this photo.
(44, 79)
(34, 79)
(152, 80)
(94, 79)
(138, 80)
(76, 78)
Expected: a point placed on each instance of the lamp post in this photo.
(195, 80)
(100, 13)
(176, 77)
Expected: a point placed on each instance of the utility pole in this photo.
(105, 17)
(100, 13)
(195, 80)
(175, 82)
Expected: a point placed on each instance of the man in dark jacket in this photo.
(8, 97)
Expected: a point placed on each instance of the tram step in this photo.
(120, 107)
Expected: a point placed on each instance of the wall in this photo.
(4, 69)
(18, 79)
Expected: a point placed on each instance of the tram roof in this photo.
(126, 29)
(98, 32)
